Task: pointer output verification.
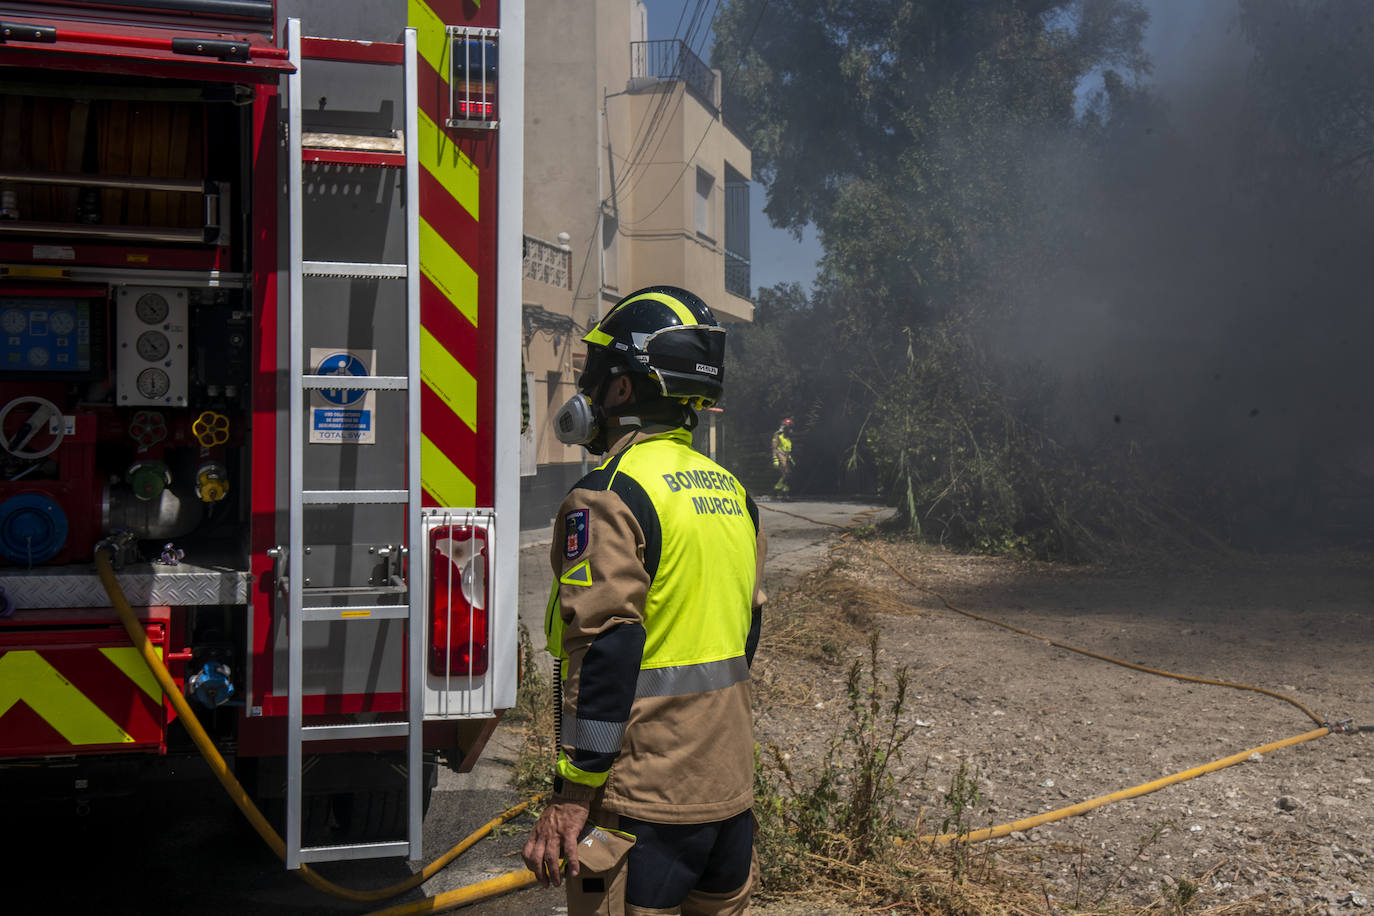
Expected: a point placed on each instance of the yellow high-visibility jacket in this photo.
(656, 556)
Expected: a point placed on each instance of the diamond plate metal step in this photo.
(144, 584)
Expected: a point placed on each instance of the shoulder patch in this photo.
(577, 526)
(581, 574)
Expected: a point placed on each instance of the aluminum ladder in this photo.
(302, 384)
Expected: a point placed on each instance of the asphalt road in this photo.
(184, 848)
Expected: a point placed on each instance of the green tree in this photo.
(905, 131)
(899, 127)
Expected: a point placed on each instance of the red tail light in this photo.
(475, 111)
(458, 600)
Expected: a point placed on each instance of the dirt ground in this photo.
(1045, 728)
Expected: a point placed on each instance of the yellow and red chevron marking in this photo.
(458, 268)
(61, 699)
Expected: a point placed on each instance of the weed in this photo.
(839, 816)
(1145, 842)
(963, 796)
(833, 830)
(1179, 895)
(534, 709)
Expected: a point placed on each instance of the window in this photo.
(706, 217)
(554, 396)
(610, 252)
(736, 233)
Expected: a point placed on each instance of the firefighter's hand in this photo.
(555, 836)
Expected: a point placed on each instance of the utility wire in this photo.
(709, 124)
(642, 160)
(642, 138)
(650, 118)
(597, 241)
(700, 18)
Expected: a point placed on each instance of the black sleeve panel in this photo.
(751, 643)
(639, 504)
(592, 762)
(610, 672)
(753, 511)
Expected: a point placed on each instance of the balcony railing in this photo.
(736, 234)
(672, 59)
(547, 263)
(737, 275)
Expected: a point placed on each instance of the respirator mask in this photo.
(579, 421)
(582, 420)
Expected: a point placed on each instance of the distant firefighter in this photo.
(782, 458)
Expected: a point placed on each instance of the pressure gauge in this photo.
(38, 357)
(62, 323)
(152, 345)
(13, 321)
(153, 383)
(153, 342)
(151, 308)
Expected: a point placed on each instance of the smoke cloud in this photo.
(1198, 287)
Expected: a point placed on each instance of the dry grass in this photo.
(534, 711)
(824, 622)
(827, 616)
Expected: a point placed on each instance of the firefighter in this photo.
(782, 458)
(654, 615)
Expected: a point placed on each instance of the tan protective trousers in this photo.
(602, 893)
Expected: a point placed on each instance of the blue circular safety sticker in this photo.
(342, 364)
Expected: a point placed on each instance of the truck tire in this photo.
(374, 812)
(374, 815)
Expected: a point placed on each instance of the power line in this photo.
(632, 180)
(641, 141)
(709, 124)
(641, 136)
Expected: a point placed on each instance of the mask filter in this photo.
(578, 421)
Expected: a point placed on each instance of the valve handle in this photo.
(211, 428)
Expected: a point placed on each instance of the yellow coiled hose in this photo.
(446, 901)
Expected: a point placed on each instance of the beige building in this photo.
(632, 178)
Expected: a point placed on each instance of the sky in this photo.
(777, 257)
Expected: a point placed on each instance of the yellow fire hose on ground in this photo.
(446, 901)
(989, 833)
(521, 878)
(992, 833)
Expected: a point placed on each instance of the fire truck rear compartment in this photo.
(126, 309)
(145, 380)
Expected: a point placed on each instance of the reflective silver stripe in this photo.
(680, 680)
(592, 735)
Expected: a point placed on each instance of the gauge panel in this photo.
(152, 349)
(53, 333)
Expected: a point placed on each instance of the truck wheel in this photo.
(376, 815)
(330, 814)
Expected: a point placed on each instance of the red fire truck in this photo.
(259, 296)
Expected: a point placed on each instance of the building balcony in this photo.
(671, 59)
(547, 263)
(737, 275)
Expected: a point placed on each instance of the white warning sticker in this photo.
(342, 415)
